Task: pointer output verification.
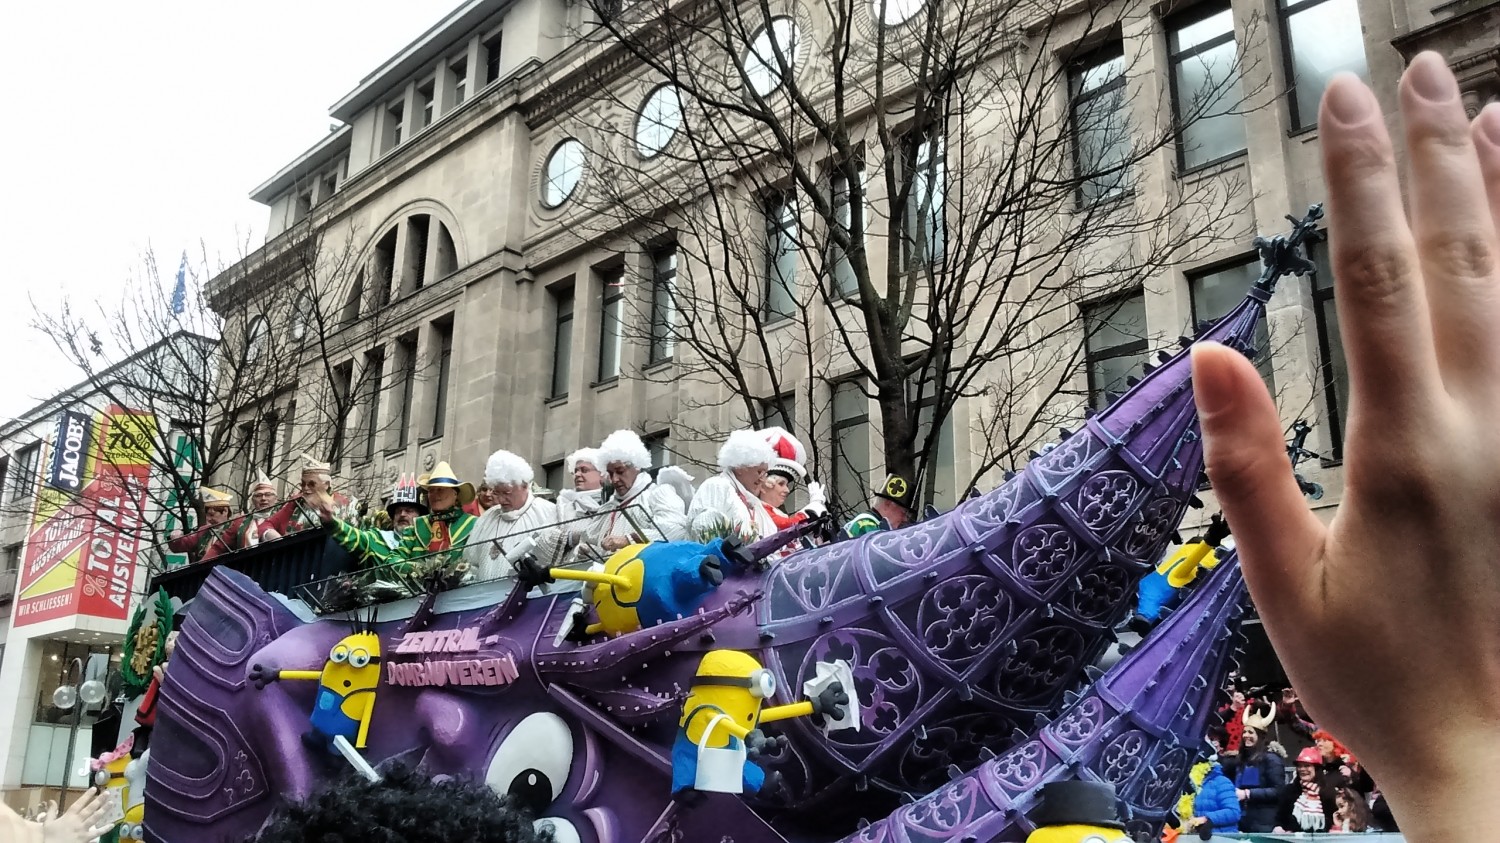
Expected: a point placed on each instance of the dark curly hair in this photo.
(406, 807)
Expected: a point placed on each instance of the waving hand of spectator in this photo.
(1408, 572)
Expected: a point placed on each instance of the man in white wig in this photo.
(728, 504)
(637, 508)
(512, 528)
(578, 507)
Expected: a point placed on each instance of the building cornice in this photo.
(320, 155)
(437, 41)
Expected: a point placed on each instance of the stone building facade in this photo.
(472, 316)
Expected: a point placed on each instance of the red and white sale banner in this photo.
(82, 550)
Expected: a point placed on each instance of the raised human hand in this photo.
(82, 822)
(1385, 617)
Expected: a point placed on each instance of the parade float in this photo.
(921, 684)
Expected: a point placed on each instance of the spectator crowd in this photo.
(1273, 770)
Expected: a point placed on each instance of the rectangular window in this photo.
(444, 367)
(845, 284)
(1114, 343)
(330, 186)
(851, 448)
(406, 349)
(28, 463)
(460, 71)
(395, 113)
(923, 226)
(1101, 136)
(1215, 293)
(657, 446)
(417, 229)
(1335, 370)
(270, 432)
(562, 343)
(1319, 38)
(554, 478)
(374, 374)
(611, 325)
(302, 206)
(385, 268)
(246, 454)
(338, 415)
(942, 469)
(492, 59)
(1206, 96)
(779, 412)
(13, 558)
(663, 303)
(427, 102)
(781, 257)
(4, 471)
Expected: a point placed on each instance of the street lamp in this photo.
(66, 697)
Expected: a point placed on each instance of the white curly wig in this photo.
(745, 448)
(507, 469)
(588, 455)
(626, 447)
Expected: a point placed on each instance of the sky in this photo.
(143, 126)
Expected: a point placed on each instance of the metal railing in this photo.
(283, 565)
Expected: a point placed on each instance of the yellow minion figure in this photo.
(346, 690)
(1077, 812)
(1161, 588)
(721, 719)
(642, 585)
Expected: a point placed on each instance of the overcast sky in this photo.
(145, 125)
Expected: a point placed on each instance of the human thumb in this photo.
(1275, 531)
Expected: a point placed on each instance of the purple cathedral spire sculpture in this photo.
(1140, 727)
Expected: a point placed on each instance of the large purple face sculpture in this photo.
(960, 631)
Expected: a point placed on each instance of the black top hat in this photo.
(1077, 803)
(898, 490)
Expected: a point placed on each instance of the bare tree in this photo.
(240, 373)
(911, 198)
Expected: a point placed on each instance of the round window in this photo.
(762, 66)
(893, 12)
(564, 169)
(658, 121)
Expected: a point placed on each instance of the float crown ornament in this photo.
(1284, 254)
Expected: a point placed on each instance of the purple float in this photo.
(964, 634)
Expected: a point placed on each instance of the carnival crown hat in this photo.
(262, 482)
(313, 465)
(790, 455)
(406, 493)
(215, 497)
(444, 477)
(898, 490)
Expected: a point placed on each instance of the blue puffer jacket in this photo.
(1216, 801)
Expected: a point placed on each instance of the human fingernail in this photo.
(1488, 124)
(1212, 385)
(1348, 100)
(1431, 79)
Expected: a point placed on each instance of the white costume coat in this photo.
(657, 509)
(487, 557)
(724, 500)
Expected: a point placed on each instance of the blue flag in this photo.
(179, 293)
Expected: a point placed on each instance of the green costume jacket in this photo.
(420, 539)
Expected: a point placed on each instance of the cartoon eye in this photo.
(1093, 838)
(359, 658)
(533, 762)
(339, 654)
(562, 830)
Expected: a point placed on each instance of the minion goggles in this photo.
(356, 658)
(760, 683)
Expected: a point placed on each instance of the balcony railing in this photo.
(283, 565)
